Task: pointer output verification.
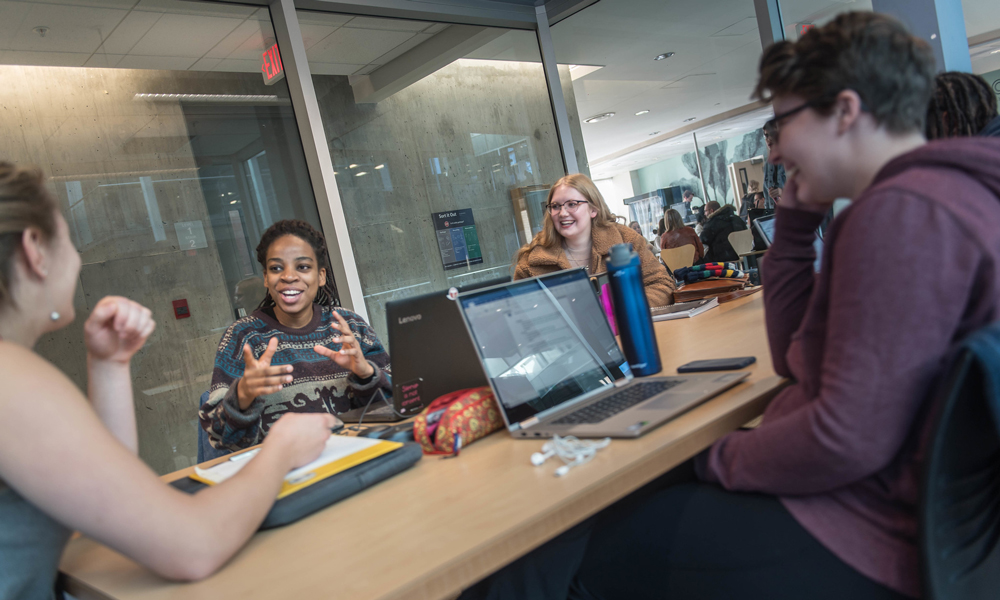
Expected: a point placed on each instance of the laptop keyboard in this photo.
(616, 403)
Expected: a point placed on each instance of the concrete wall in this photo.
(84, 128)
(446, 142)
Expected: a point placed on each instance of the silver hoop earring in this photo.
(54, 316)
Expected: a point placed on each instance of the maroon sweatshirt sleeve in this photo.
(901, 273)
(789, 277)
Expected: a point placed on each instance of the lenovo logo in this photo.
(410, 319)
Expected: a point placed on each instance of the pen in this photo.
(244, 455)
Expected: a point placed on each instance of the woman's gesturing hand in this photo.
(259, 377)
(117, 328)
(350, 356)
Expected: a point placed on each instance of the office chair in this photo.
(960, 512)
(205, 450)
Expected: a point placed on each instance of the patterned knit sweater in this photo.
(318, 385)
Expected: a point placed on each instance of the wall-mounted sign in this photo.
(804, 27)
(457, 238)
(190, 235)
(272, 69)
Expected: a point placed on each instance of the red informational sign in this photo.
(804, 27)
(272, 69)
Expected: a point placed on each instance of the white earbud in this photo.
(571, 450)
(538, 458)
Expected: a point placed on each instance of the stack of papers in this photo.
(341, 453)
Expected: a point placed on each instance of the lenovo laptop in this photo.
(555, 368)
(431, 352)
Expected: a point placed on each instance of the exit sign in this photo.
(272, 69)
(804, 27)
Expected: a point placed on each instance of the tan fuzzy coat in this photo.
(657, 280)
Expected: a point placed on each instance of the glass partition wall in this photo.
(437, 134)
(169, 155)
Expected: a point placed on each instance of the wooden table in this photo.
(444, 524)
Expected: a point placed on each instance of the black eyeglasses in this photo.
(774, 124)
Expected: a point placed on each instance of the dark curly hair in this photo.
(327, 295)
(962, 105)
(874, 55)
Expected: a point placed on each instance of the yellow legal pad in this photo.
(340, 454)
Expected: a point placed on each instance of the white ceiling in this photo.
(178, 35)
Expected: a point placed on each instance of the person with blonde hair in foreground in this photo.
(68, 461)
(579, 231)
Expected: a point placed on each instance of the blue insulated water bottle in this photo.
(635, 324)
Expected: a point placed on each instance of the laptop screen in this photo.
(765, 225)
(543, 342)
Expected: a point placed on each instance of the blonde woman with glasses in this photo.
(579, 231)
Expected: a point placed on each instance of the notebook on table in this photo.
(555, 367)
(707, 288)
(344, 468)
(683, 310)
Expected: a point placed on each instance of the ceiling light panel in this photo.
(599, 118)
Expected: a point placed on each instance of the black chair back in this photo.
(960, 513)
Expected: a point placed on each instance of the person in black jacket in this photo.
(721, 222)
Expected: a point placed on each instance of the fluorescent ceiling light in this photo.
(227, 98)
(379, 166)
(664, 55)
(351, 166)
(599, 118)
(642, 112)
(361, 173)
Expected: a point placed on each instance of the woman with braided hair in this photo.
(298, 352)
(962, 106)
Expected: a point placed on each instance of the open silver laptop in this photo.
(556, 369)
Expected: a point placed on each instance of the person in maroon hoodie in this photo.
(821, 500)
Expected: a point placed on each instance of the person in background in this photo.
(298, 352)
(68, 462)
(749, 199)
(774, 174)
(678, 234)
(699, 223)
(722, 220)
(962, 105)
(634, 226)
(821, 500)
(694, 203)
(578, 231)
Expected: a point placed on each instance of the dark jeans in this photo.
(688, 541)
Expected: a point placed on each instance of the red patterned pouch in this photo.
(456, 420)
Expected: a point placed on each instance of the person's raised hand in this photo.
(350, 356)
(116, 329)
(300, 437)
(259, 377)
